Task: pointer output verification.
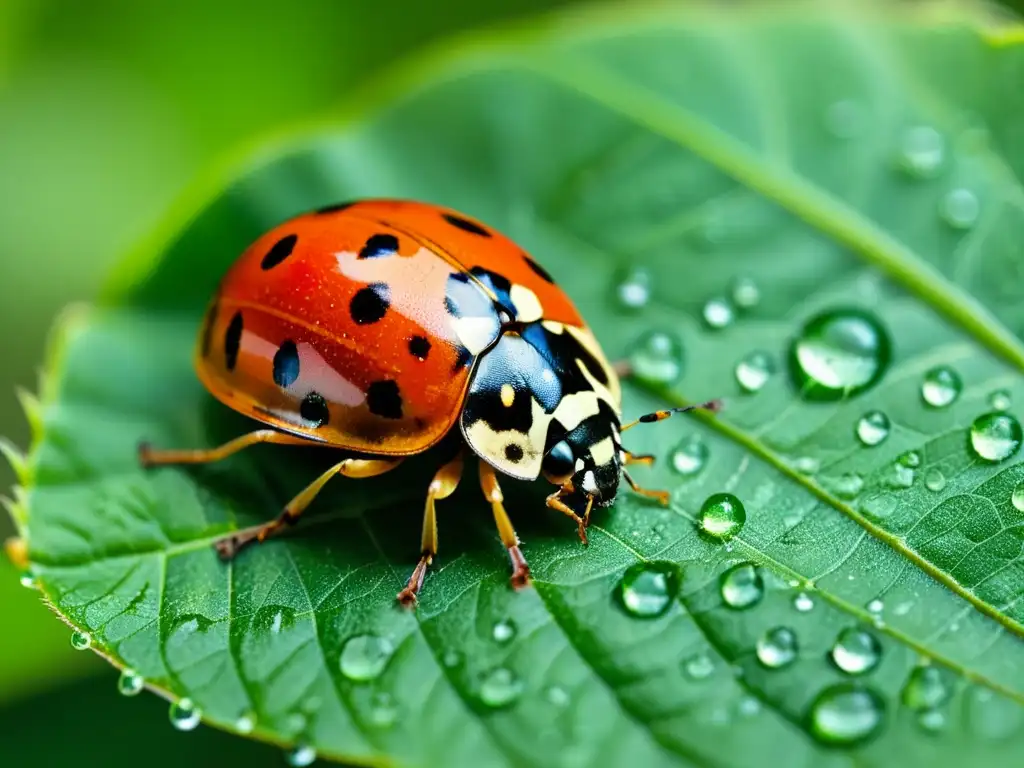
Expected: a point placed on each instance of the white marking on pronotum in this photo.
(603, 452)
(528, 308)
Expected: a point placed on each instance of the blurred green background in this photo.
(108, 109)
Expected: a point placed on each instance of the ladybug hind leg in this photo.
(148, 457)
(441, 487)
(492, 491)
(228, 546)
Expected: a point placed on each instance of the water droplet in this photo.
(130, 683)
(941, 387)
(364, 657)
(777, 648)
(807, 465)
(1000, 400)
(383, 711)
(717, 313)
(927, 687)
(910, 459)
(922, 151)
(873, 428)
(657, 358)
(932, 720)
(451, 659)
(960, 208)
(754, 370)
(81, 641)
(839, 353)
(844, 119)
(300, 756)
(557, 696)
(749, 706)
(745, 293)
(699, 666)
(846, 486)
(856, 651)
(690, 455)
(995, 436)
(803, 602)
(646, 590)
(500, 687)
(742, 586)
(876, 606)
(28, 581)
(722, 515)
(934, 480)
(504, 631)
(634, 291)
(185, 715)
(900, 475)
(845, 714)
(246, 723)
(1018, 497)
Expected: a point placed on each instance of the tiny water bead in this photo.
(845, 715)
(28, 581)
(934, 480)
(499, 688)
(722, 516)
(927, 687)
(634, 290)
(745, 293)
(922, 151)
(364, 657)
(932, 720)
(876, 606)
(646, 590)
(699, 666)
(960, 208)
(504, 631)
(872, 428)
(807, 465)
(690, 455)
(1000, 400)
(995, 436)
(1017, 497)
(246, 723)
(838, 354)
(941, 387)
(742, 586)
(451, 658)
(300, 755)
(803, 602)
(846, 486)
(777, 648)
(383, 710)
(856, 651)
(754, 370)
(185, 715)
(910, 459)
(80, 640)
(657, 358)
(130, 683)
(717, 313)
(557, 696)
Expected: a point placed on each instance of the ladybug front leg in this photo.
(492, 491)
(661, 496)
(151, 458)
(441, 487)
(229, 546)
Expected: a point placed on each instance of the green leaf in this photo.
(837, 161)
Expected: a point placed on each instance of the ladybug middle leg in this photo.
(148, 457)
(229, 545)
(441, 487)
(662, 496)
(492, 491)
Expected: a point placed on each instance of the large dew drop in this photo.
(753, 371)
(185, 715)
(995, 436)
(130, 683)
(646, 590)
(856, 651)
(839, 353)
(742, 586)
(300, 756)
(927, 687)
(845, 714)
(777, 648)
(81, 641)
(717, 313)
(722, 516)
(657, 358)
(872, 428)
(941, 387)
(364, 657)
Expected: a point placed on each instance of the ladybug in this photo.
(382, 326)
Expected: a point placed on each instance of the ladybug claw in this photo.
(407, 598)
(520, 578)
(581, 529)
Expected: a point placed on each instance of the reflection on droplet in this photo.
(722, 516)
(1017, 498)
(657, 358)
(699, 666)
(130, 682)
(838, 354)
(922, 151)
(856, 651)
(742, 586)
(300, 756)
(364, 657)
(646, 590)
(872, 428)
(81, 641)
(777, 648)
(690, 455)
(941, 386)
(28, 581)
(504, 631)
(500, 688)
(803, 602)
(995, 436)
(754, 370)
(184, 715)
(634, 291)
(845, 714)
(934, 480)
(999, 400)
(745, 293)
(960, 208)
(717, 313)
(246, 723)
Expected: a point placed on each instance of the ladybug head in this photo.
(587, 462)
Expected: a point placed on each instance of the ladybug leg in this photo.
(492, 492)
(662, 496)
(639, 458)
(228, 546)
(441, 487)
(151, 458)
(555, 502)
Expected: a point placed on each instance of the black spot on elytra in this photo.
(370, 304)
(466, 225)
(334, 208)
(513, 453)
(384, 400)
(541, 272)
(233, 341)
(314, 409)
(280, 251)
(419, 347)
(463, 359)
(379, 245)
(208, 323)
(286, 364)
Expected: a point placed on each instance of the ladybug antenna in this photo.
(714, 406)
